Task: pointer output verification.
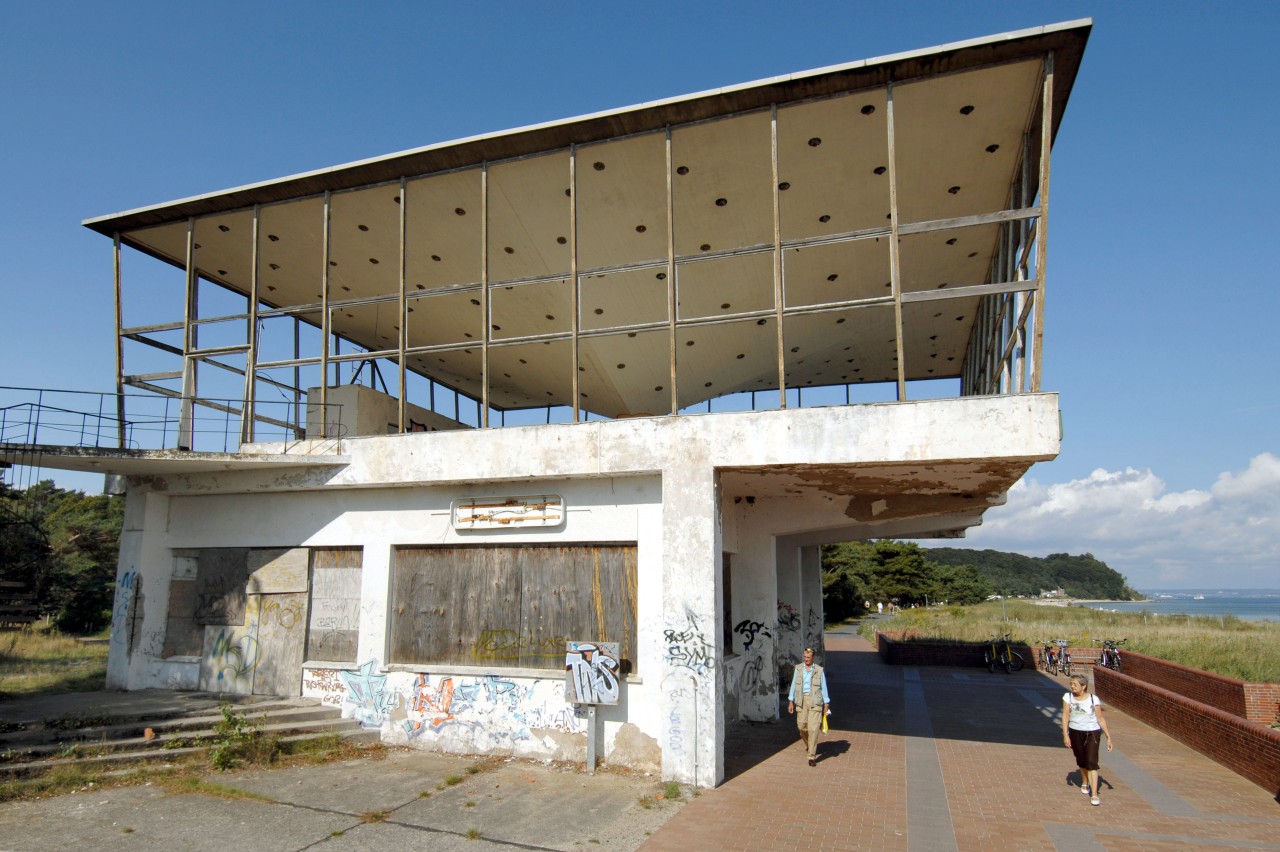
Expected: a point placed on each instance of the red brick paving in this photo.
(1010, 783)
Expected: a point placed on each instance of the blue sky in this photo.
(1163, 288)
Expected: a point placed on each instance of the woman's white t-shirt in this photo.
(1083, 717)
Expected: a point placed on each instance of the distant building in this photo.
(394, 433)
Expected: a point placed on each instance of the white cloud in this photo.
(1227, 535)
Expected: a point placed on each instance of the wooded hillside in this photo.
(1082, 576)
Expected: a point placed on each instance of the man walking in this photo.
(809, 695)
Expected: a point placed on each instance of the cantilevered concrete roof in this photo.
(499, 206)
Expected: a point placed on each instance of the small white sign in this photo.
(591, 672)
(487, 513)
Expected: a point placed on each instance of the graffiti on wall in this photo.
(511, 645)
(368, 696)
(687, 646)
(591, 673)
(788, 618)
(748, 629)
(122, 613)
(482, 713)
(234, 656)
(324, 684)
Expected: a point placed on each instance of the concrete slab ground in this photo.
(917, 759)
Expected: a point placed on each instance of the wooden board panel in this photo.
(281, 622)
(511, 606)
(278, 570)
(220, 580)
(334, 618)
(182, 636)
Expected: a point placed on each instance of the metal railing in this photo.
(66, 418)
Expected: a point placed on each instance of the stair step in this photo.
(151, 755)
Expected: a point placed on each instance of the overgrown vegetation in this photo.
(44, 661)
(1226, 645)
(856, 575)
(63, 546)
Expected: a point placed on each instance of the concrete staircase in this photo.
(140, 731)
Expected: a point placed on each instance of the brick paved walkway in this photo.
(934, 758)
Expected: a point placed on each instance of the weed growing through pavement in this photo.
(473, 834)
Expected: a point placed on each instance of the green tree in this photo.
(64, 546)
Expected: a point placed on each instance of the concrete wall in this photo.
(658, 482)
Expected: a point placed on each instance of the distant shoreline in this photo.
(1074, 601)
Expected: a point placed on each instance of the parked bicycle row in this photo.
(1054, 655)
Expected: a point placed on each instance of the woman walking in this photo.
(1082, 728)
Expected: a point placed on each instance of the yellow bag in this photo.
(824, 721)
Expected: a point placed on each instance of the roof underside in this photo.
(960, 116)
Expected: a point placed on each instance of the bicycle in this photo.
(999, 653)
(1048, 656)
(1111, 653)
(1064, 657)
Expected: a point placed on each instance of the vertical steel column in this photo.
(403, 337)
(671, 275)
(1042, 224)
(248, 413)
(298, 414)
(778, 305)
(119, 310)
(324, 319)
(574, 296)
(1024, 236)
(185, 405)
(485, 309)
(895, 260)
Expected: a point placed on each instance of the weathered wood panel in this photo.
(220, 582)
(182, 635)
(334, 619)
(278, 570)
(281, 621)
(511, 606)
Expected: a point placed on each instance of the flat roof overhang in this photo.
(736, 240)
(1067, 41)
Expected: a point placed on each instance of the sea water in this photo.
(1247, 604)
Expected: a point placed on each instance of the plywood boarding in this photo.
(511, 606)
(281, 624)
(334, 617)
(220, 586)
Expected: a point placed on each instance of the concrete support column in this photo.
(755, 612)
(692, 684)
(142, 575)
(790, 612)
(811, 595)
(375, 580)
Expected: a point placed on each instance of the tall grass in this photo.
(45, 662)
(1248, 650)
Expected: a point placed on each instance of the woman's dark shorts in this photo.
(1084, 744)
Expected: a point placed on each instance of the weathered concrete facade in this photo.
(685, 491)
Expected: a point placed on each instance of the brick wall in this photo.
(1247, 748)
(1262, 702)
(896, 652)
(1225, 693)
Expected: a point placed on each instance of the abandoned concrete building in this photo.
(412, 435)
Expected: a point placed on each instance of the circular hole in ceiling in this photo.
(966, 109)
(363, 227)
(707, 385)
(658, 388)
(832, 277)
(436, 258)
(839, 321)
(598, 166)
(622, 366)
(561, 240)
(868, 109)
(815, 142)
(824, 218)
(784, 186)
(274, 265)
(223, 228)
(640, 229)
(761, 322)
(459, 211)
(222, 272)
(661, 276)
(724, 306)
(551, 316)
(705, 247)
(973, 254)
(991, 149)
(682, 170)
(475, 301)
(599, 311)
(879, 170)
(273, 238)
(374, 261)
(333, 263)
(951, 241)
(955, 190)
(688, 343)
(720, 202)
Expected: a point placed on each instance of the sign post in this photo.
(591, 678)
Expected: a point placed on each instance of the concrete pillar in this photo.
(142, 589)
(692, 685)
(790, 611)
(811, 596)
(755, 613)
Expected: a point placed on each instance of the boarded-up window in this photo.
(182, 635)
(511, 606)
(335, 604)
